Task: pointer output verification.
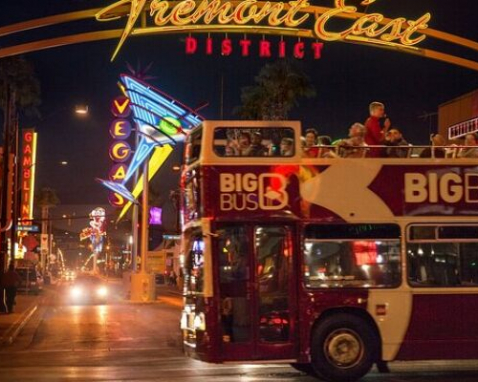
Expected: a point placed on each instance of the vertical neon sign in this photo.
(29, 152)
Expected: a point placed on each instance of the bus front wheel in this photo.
(343, 348)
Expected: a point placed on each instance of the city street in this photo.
(140, 342)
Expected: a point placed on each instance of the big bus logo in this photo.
(449, 187)
(251, 192)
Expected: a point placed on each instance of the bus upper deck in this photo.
(274, 180)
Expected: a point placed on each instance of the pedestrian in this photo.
(10, 281)
(3, 308)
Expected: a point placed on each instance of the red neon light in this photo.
(282, 49)
(209, 46)
(245, 45)
(226, 47)
(264, 48)
(317, 48)
(299, 50)
(191, 45)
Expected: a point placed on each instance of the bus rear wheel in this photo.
(343, 348)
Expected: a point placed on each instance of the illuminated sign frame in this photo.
(252, 16)
(159, 121)
(28, 167)
(137, 13)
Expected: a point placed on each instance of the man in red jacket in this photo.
(375, 135)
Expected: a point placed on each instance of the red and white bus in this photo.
(332, 264)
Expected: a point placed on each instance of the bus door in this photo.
(257, 294)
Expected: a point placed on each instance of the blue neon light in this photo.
(150, 107)
(119, 189)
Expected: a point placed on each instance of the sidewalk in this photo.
(170, 295)
(9, 323)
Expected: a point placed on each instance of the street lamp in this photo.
(176, 168)
(81, 110)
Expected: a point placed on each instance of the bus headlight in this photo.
(200, 322)
(184, 321)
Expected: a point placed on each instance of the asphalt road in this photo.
(140, 342)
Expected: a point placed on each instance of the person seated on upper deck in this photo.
(396, 144)
(287, 147)
(325, 148)
(355, 146)
(257, 148)
(311, 149)
(230, 149)
(244, 144)
(377, 126)
(437, 150)
(471, 140)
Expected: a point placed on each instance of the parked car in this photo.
(31, 280)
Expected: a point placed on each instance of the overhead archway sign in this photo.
(297, 18)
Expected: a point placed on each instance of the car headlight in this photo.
(102, 292)
(76, 292)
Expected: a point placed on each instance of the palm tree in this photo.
(47, 198)
(17, 75)
(278, 88)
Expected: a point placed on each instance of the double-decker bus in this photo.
(330, 264)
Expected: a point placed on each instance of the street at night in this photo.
(239, 190)
(126, 342)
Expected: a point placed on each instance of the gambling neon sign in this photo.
(294, 18)
(29, 152)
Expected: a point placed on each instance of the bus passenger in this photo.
(375, 132)
(229, 150)
(311, 149)
(355, 146)
(287, 147)
(437, 150)
(245, 142)
(471, 140)
(257, 148)
(325, 151)
(396, 144)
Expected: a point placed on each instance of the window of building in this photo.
(443, 256)
(348, 256)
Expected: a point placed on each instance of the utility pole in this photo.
(145, 218)
(45, 216)
(16, 188)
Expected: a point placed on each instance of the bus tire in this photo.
(305, 368)
(344, 348)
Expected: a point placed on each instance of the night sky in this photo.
(347, 79)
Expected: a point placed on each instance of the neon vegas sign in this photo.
(251, 16)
